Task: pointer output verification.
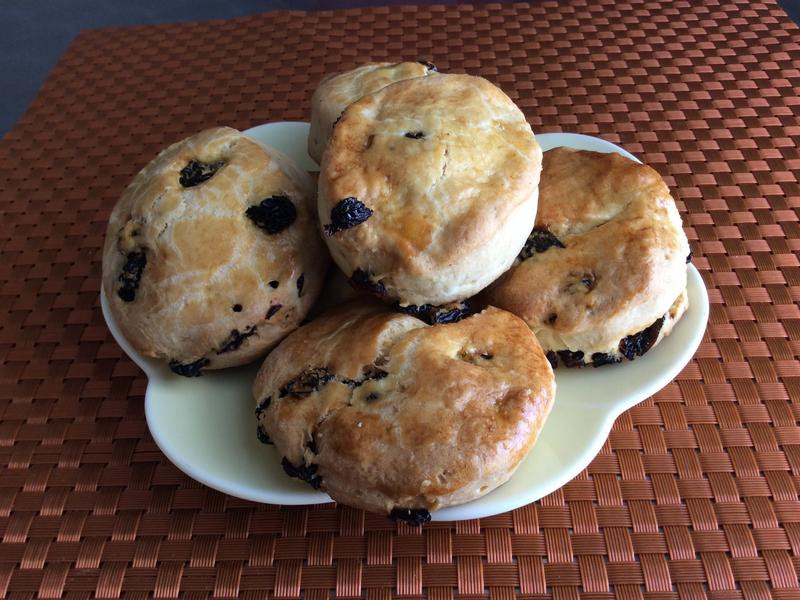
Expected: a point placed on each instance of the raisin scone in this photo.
(212, 254)
(602, 276)
(428, 188)
(388, 414)
(337, 91)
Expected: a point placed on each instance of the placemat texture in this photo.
(694, 495)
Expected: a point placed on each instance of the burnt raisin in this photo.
(235, 340)
(433, 315)
(689, 257)
(262, 435)
(571, 359)
(415, 135)
(272, 310)
(552, 358)
(300, 283)
(307, 383)
(193, 369)
(413, 516)
(539, 240)
(638, 343)
(196, 172)
(237, 308)
(131, 275)
(274, 284)
(601, 358)
(346, 214)
(361, 280)
(428, 65)
(305, 473)
(262, 406)
(273, 214)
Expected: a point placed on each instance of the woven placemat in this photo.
(694, 495)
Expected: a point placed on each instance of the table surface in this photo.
(695, 493)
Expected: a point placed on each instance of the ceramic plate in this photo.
(206, 426)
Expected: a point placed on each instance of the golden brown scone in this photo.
(391, 415)
(336, 92)
(212, 253)
(428, 188)
(603, 274)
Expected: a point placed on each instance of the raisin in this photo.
(372, 373)
(307, 383)
(372, 396)
(273, 215)
(235, 340)
(274, 284)
(413, 516)
(539, 240)
(346, 214)
(552, 358)
(415, 135)
(193, 369)
(601, 358)
(312, 445)
(262, 406)
(689, 257)
(551, 318)
(589, 280)
(131, 275)
(433, 315)
(305, 473)
(428, 65)
(272, 310)
(262, 435)
(237, 308)
(361, 280)
(300, 283)
(638, 343)
(196, 172)
(571, 359)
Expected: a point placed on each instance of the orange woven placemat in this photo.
(694, 495)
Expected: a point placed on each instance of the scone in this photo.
(336, 92)
(212, 254)
(428, 188)
(391, 415)
(602, 276)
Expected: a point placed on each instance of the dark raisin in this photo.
(638, 343)
(372, 396)
(361, 280)
(689, 257)
(415, 135)
(551, 318)
(487, 356)
(571, 359)
(552, 358)
(413, 516)
(262, 435)
(272, 310)
(307, 383)
(601, 358)
(274, 284)
(432, 315)
(235, 340)
(539, 240)
(346, 214)
(300, 283)
(237, 308)
(196, 172)
(428, 65)
(273, 214)
(262, 406)
(307, 473)
(193, 369)
(131, 275)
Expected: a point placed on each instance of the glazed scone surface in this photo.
(386, 413)
(336, 92)
(212, 253)
(428, 188)
(606, 260)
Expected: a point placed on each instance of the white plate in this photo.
(206, 426)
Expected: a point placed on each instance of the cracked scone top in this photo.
(428, 188)
(336, 92)
(603, 274)
(212, 254)
(388, 414)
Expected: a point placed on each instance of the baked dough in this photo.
(336, 92)
(391, 415)
(212, 253)
(603, 274)
(428, 188)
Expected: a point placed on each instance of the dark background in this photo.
(36, 32)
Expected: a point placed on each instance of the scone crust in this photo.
(623, 266)
(450, 168)
(459, 406)
(204, 296)
(336, 92)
